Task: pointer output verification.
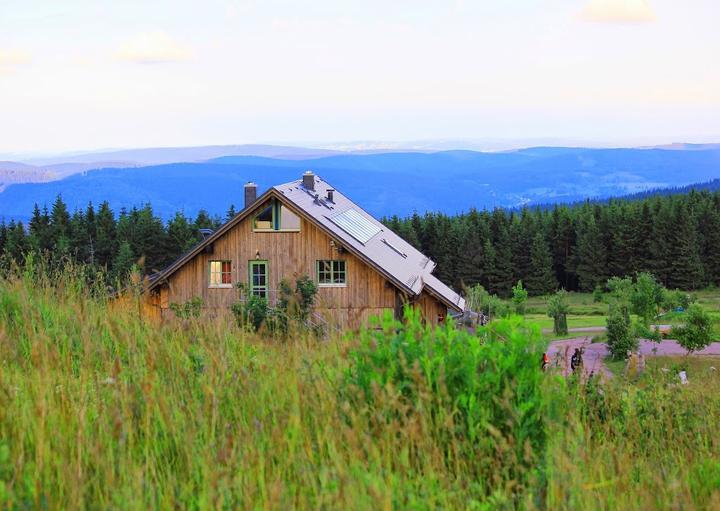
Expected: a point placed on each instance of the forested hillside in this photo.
(677, 238)
(397, 183)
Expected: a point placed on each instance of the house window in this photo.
(259, 278)
(276, 217)
(331, 273)
(220, 274)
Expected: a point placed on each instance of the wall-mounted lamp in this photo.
(257, 254)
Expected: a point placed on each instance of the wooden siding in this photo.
(290, 255)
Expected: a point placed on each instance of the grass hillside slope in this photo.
(100, 408)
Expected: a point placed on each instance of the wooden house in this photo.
(306, 227)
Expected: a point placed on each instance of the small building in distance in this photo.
(306, 227)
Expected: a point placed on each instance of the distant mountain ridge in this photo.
(385, 183)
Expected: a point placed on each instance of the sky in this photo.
(97, 74)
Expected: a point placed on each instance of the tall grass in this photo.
(100, 408)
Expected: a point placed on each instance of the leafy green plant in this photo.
(697, 333)
(620, 338)
(519, 298)
(646, 296)
(479, 300)
(558, 309)
(252, 312)
(493, 381)
(188, 310)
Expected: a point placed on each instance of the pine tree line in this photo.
(577, 247)
(98, 238)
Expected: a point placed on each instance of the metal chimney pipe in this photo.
(331, 195)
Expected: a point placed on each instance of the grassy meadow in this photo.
(102, 409)
(587, 313)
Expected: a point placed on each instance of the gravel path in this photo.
(588, 329)
(561, 351)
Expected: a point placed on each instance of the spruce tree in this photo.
(470, 263)
(60, 226)
(541, 279)
(662, 240)
(686, 271)
(503, 254)
(562, 241)
(41, 239)
(621, 257)
(642, 238)
(105, 245)
(182, 235)
(489, 272)
(124, 262)
(230, 213)
(590, 256)
(709, 232)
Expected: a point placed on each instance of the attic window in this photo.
(275, 216)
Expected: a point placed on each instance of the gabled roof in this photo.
(384, 249)
(355, 230)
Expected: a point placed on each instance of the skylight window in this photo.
(356, 225)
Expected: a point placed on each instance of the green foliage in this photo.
(252, 312)
(697, 333)
(558, 309)
(293, 307)
(620, 339)
(519, 298)
(671, 300)
(598, 294)
(479, 300)
(189, 310)
(646, 296)
(487, 389)
(540, 277)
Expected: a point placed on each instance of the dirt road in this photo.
(561, 351)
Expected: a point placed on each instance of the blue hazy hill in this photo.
(386, 183)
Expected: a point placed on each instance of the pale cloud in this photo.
(152, 48)
(10, 58)
(618, 11)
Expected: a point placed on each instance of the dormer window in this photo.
(276, 217)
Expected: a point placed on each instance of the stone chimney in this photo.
(250, 193)
(309, 180)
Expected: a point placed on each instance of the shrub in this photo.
(189, 309)
(252, 312)
(491, 382)
(697, 332)
(673, 299)
(619, 334)
(646, 296)
(598, 294)
(479, 300)
(519, 297)
(558, 309)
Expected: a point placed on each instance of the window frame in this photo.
(251, 286)
(276, 209)
(221, 284)
(334, 272)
